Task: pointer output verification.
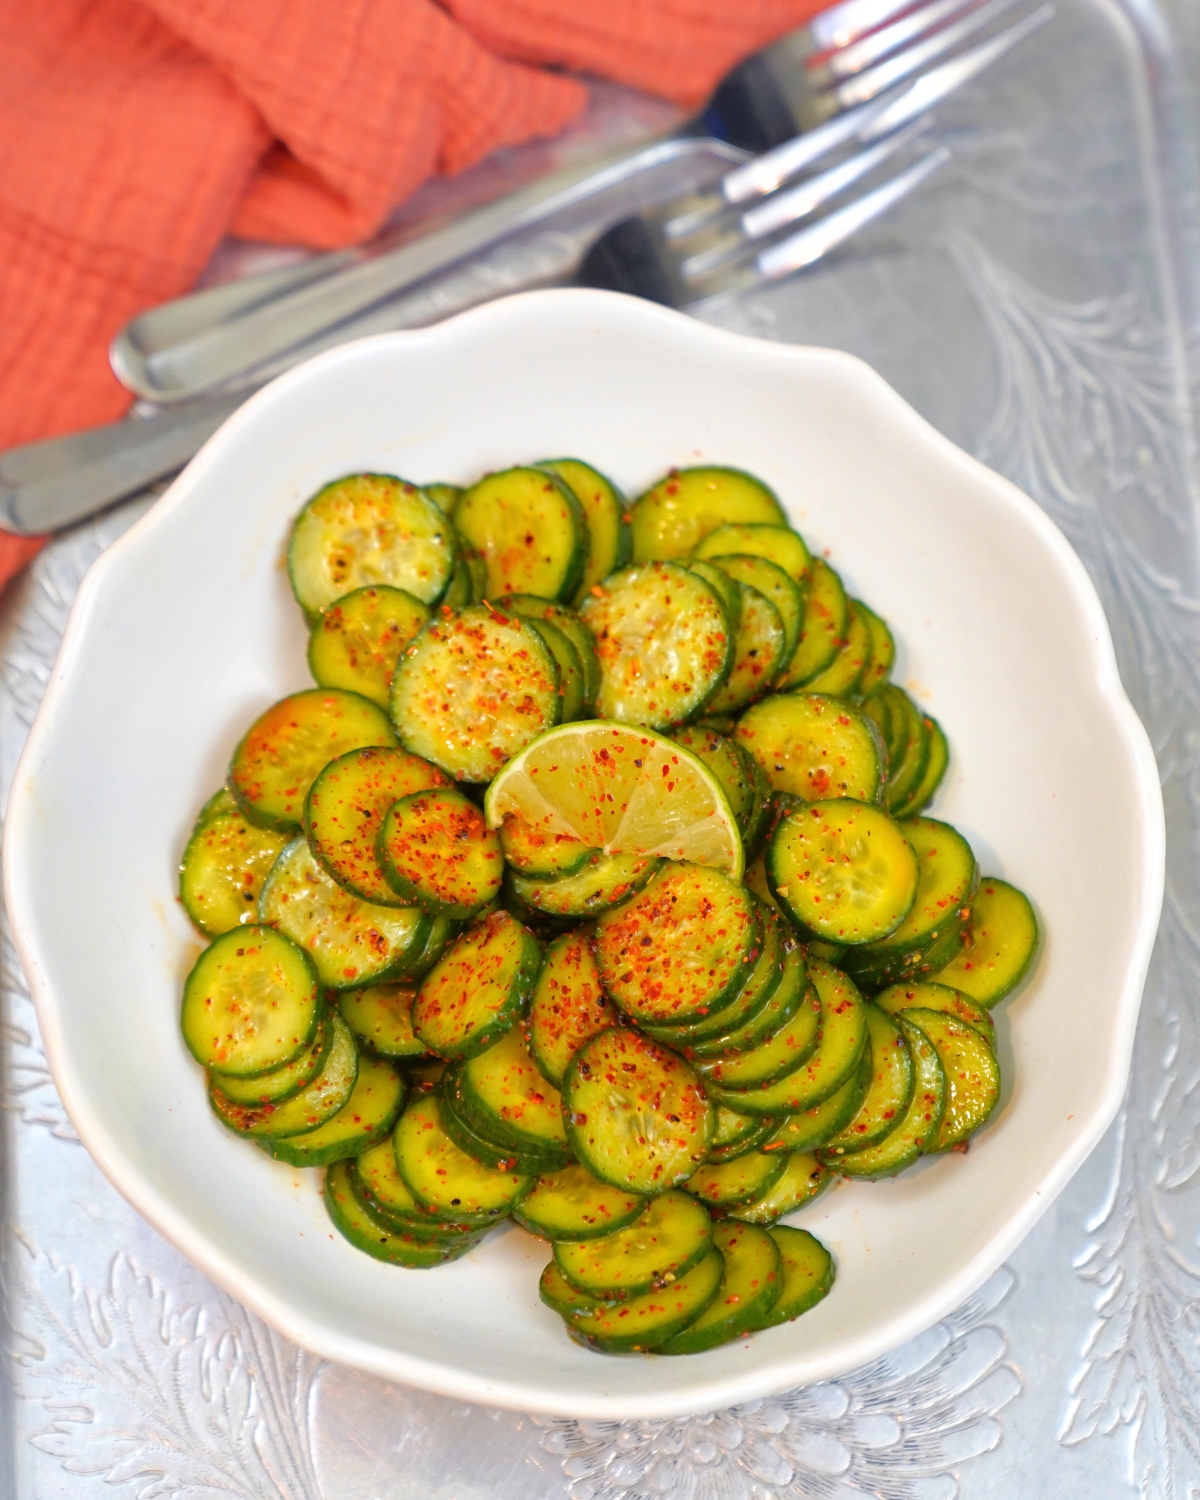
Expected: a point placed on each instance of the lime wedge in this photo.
(622, 789)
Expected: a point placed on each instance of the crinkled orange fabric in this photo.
(133, 136)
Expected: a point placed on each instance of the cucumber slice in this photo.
(663, 641)
(783, 1050)
(366, 1118)
(732, 767)
(890, 1093)
(442, 932)
(605, 881)
(473, 689)
(356, 642)
(376, 1182)
(682, 948)
(672, 1234)
(479, 989)
(778, 544)
(351, 942)
(760, 650)
(843, 1037)
(345, 810)
(572, 687)
(882, 653)
(367, 1232)
(424, 1077)
(504, 1089)
(775, 584)
(281, 1083)
(826, 608)
(568, 1008)
(637, 1115)
(311, 1107)
(436, 850)
(605, 511)
(647, 1321)
(472, 1137)
(444, 496)
(930, 996)
(724, 1185)
(737, 1135)
(811, 1128)
(558, 1294)
(545, 853)
(531, 531)
(364, 529)
(802, 1178)
(947, 880)
(251, 1003)
(844, 870)
(571, 1204)
(918, 1130)
(380, 1017)
(907, 743)
(750, 1286)
(446, 1180)
(529, 607)
(224, 865)
(972, 1074)
(846, 671)
(675, 515)
(998, 947)
(815, 747)
(936, 760)
(807, 1273)
(284, 750)
(725, 588)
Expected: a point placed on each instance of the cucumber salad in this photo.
(592, 887)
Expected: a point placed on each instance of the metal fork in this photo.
(842, 59)
(709, 244)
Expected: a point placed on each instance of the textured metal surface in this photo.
(1038, 305)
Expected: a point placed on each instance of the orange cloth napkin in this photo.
(134, 134)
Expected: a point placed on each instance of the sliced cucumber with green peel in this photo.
(436, 851)
(446, 1180)
(727, 590)
(760, 650)
(778, 544)
(376, 1182)
(937, 758)
(809, 1129)
(793, 1014)
(675, 515)
(890, 1093)
(367, 1232)
(844, 871)
(732, 767)
(442, 932)
(365, 529)
(750, 1286)
(357, 640)
(806, 1270)
(505, 1091)
(826, 609)
(473, 689)
(530, 530)
(345, 809)
(380, 1017)
(606, 513)
(480, 988)
(918, 1130)
(998, 947)
(224, 865)
(776, 585)
(317, 1102)
(285, 748)
(542, 853)
(737, 1135)
(937, 996)
(724, 1185)
(681, 948)
(572, 1205)
(663, 641)
(351, 942)
(802, 1178)
(903, 731)
(470, 1136)
(605, 881)
(530, 607)
(637, 1115)
(972, 1074)
(883, 650)
(281, 1083)
(367, 1117)
(251, 1003)
(746, 1019)
(572, 685)
(444, 496)
(647, 1321)
(846, 671)
(672, 1234)
(815, 747)
(568, 1007)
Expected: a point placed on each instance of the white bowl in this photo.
(185, 630)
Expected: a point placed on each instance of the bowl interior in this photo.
(187, 629)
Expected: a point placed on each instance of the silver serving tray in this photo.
(1040, 306)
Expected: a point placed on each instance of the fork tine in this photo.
(866, 51)
(843, 24)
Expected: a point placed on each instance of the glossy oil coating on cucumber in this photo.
(380, 1017)
(312, 1106)
(356, 641)
(251, 1002)
(733, 767)
(826, 610)
(890, 1091)
(647, 1321)
(882, 652)
(224, 865)
(807, 1273)
(472, 689)
(351, 942)
(737, 1134)
(604, 881)
(481, 988)
(845, 672)
(779, 544)
(918, 1131)
(1003, 937)
(663, 641)
(573, 1205)
(802, 1178)
(672, 1234)
(808, 1129)
(777, 586)
(366, 1118)
(928, 995)
(386, 1242)
(606, 513)
(759, 652)
(724, 1185)
(542, 851)
(815, 747)
(436, 850)
(568, 623)
(446, 1180)
(677, 513)
(749, 1289)
(481, 1141)
(530, 530)
(569, 1006)
(365, 529)
(785, 1048)
(376, 1182)
(284, 750)
(281, 1083)
(504, 1089)
(972, 1074)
